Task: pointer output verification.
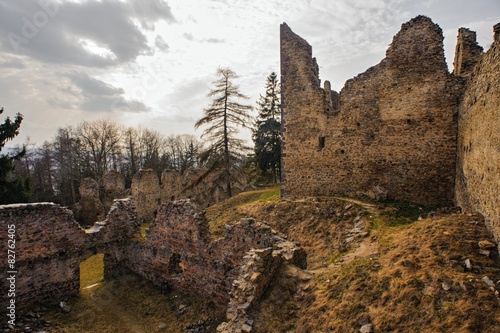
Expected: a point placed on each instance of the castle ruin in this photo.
(405, 130)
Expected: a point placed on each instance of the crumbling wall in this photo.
(50, 245)
(259, 267)
(90, 208)
(196, 185)
(179, 254)
(467, 52)
(146, 194)
(112, 186)
(478, 167)
(47, 249)
(391, 129)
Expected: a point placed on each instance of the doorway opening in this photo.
(92, 271)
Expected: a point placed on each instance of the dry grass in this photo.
(407, 275)
(395, 278)
(416, 284)
(131, 304)
(92, 270)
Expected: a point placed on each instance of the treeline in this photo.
(94, 147)
(54, 170)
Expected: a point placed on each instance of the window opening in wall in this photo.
(145, 228)
(321, 144)
(92, 271)
(175, 264)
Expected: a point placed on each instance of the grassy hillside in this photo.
(403, 271)
(399, 267)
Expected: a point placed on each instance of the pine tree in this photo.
(266, 136)
(223, 118)
(11, 190)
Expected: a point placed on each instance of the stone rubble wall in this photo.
(145, 190)
(393, 127)
(258, 269)
(112, 186)
(177, 253)
(478, 167)
(47, 249)
(90, 208)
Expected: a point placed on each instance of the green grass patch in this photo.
(228, 211)
(403, 213)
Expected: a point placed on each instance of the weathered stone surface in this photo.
(478, 163)
(178, 253)
(256, 272)
(391, 127)
(112, 187)
(90, 206)
(50, 245)
(196, 186)
(467, 52)
(146, 194)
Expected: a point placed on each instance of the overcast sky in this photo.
(152, 62)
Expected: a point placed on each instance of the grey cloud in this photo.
(188, 36)
(54, 35)
(215, 41)
(161, 44)
(97, 95)
(12, 63)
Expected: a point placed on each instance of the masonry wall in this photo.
(478, 167)
(391, 128)
(178, 253)
(48, 242)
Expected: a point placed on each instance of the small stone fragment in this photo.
(246, 328)
(445, 286)
(468, 265)
(488, 281)
(368, 328)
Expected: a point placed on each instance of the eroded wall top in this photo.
(394, 128)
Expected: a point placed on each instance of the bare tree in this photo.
(100, 141)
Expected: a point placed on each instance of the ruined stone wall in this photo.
(50, 245)
(467, 52)
(391, 129)
(146, 194)
(47, 246)
(112, 186)
(178, 253)
(90, 208)
(478, 167)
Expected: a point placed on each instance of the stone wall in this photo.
(391, 129)
(467, 52)
(145, 190)
(478, 167)
(48, 243)
(90, 208)
(112, 186)
(205, 190)
(177, 253)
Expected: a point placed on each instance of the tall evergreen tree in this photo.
(223, 118)
(17, 189)
(266, 136)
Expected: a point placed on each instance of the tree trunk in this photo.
(226, 148)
